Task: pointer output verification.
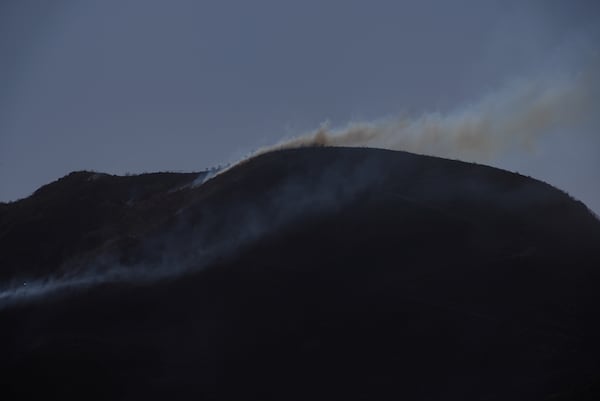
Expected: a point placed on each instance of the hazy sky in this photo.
(146, 85)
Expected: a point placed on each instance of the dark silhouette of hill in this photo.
(316, 273)
(79, 213)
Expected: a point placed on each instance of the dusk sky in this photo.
(131, 86)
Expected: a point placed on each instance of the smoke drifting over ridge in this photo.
(515, 117)
(185, 248)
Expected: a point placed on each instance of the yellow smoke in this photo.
(514, 117)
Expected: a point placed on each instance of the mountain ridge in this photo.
(320, 273)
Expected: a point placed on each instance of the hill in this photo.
(315, 273)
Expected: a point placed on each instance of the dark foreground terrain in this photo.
(309, 274)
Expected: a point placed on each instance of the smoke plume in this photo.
(515, 117)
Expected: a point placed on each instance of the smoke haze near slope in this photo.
(225, 230)
(515, 117)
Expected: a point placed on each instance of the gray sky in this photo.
(145, 85)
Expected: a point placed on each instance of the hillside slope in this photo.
(316, 273)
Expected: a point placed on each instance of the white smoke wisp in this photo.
(35, 289)
(514, 117)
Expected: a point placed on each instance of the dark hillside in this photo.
(316, 273)
(79, 213)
